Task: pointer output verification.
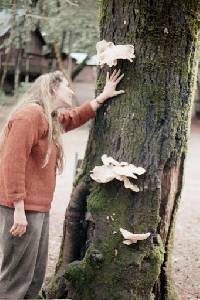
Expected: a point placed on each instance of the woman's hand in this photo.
(20, 221)
(109, 90)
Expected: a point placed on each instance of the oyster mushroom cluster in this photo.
(112, 169)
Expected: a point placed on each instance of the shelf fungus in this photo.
(112, 169)
(108, 53)
(132, 238)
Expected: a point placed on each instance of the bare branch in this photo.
(71, 3)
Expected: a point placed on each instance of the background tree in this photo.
(19, 15)
(148, 126)
(76, 29)
(77, 18)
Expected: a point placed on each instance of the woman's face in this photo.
(63, 95)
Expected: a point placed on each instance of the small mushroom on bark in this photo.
(108, 53)
(132, 238)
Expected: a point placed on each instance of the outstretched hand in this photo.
(112, 81)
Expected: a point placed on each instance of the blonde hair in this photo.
(41, 92)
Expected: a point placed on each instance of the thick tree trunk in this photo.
(148, 127)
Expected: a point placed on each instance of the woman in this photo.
(30, 154)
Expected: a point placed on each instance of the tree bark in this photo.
(147, 126)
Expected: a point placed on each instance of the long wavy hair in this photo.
(41, 92)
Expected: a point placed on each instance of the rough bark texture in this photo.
(147, 126)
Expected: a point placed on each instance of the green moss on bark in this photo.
(147, 126)
(109, 273)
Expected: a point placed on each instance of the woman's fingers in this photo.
(107, 76)
(113, 74)
(13, 228)
(18, 230)
(111, 83)
(119, 79)
(117, 75)
(119, 92)
(23, 230)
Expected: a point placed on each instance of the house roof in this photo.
(6, 19)
(93, 61)
(6, 23)
(80, 56)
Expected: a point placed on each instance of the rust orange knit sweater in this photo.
(21, 175)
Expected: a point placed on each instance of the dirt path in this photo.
(74, 144)
(186, 259)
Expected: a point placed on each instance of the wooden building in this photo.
(36, 58)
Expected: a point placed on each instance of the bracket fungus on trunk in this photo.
(108, 53)
(112, 169)
(132, 238)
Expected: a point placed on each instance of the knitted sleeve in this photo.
(77, 116)
(22, 134)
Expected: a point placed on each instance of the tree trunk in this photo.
(17, 69)
(79, 68)
(59, 60)
(8, 54)
(147, 126)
